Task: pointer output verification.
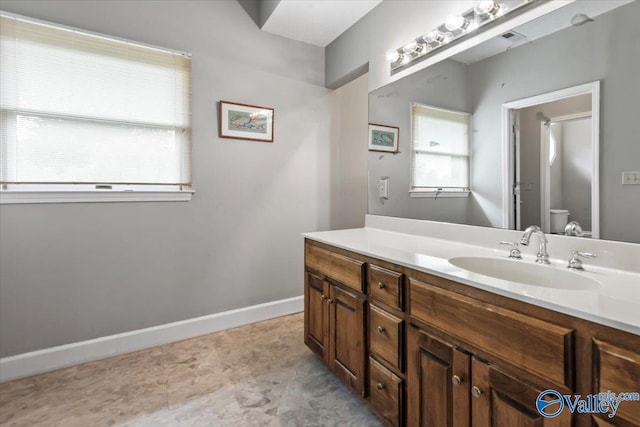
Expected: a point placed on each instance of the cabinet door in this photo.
(316, 315)
(616, 369)
(437, 382)
(347, 339)
(500, 400)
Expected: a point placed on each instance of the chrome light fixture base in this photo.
(483, 15)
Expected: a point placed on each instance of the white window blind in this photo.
(85, 111)
(440, 150)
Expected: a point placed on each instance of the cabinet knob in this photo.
(329, 301)
(381, 329)
(323, 297)
(475, 391)
(381, 285)
(380, 386)
(456, 380)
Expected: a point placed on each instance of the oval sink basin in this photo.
(526, 273)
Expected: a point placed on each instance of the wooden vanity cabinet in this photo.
(500, 400)
(334, 314)
(334, 328)
(386, 394)
(316, 315)
(427, 351)
(451, 385)
(386, 327)
(617, 369)
(448, 386)
(347, 353)
(438, 382)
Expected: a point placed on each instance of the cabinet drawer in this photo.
(540, 347)
(618, 370)
(385, 393)
(340, 268)
(385, 336)
(385, 286)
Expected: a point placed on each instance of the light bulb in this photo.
(434, 37)
(486, 7)
(454, 23)
(393, 56)
(410, 47)
(502, 9)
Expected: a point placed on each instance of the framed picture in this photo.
(242, 121)
(383, 138)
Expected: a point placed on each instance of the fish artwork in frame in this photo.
(383, 138)
(243, 121)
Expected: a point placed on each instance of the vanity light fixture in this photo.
(454, 28)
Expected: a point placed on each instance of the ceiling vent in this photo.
(513, 37)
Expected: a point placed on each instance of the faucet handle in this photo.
(575, 263)
(515, 252)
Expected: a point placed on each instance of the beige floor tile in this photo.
(256, 375)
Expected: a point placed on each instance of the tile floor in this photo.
(256, 375)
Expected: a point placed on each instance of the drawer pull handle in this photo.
(323, 297)
(381, 329)
(329, 301)
(475, 391)
(456, 380)
(380, 386)
(381, 285)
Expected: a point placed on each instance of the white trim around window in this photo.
(81, 193)
(414, 194)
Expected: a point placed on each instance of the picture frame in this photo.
(244, 121)
(383, 138)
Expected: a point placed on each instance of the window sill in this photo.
(439, 194)
(23, 197)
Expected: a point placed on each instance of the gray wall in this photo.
(606, 50)
(70, 272)
(443, 85)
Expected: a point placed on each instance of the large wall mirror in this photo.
(552, 136)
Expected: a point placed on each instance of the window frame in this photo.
(52, 192)
(432, 191)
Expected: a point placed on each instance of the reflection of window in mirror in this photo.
(439, 151)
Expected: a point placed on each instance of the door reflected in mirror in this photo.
(555, 165)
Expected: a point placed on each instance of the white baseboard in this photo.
(50, 359)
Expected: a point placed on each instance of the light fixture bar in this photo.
(483, 15)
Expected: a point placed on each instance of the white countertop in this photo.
(615, 303)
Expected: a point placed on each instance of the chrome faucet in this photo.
(574, 229)
(542, 257)
(575, 263)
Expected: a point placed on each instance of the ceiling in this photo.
(318, 22)
(537, 28)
